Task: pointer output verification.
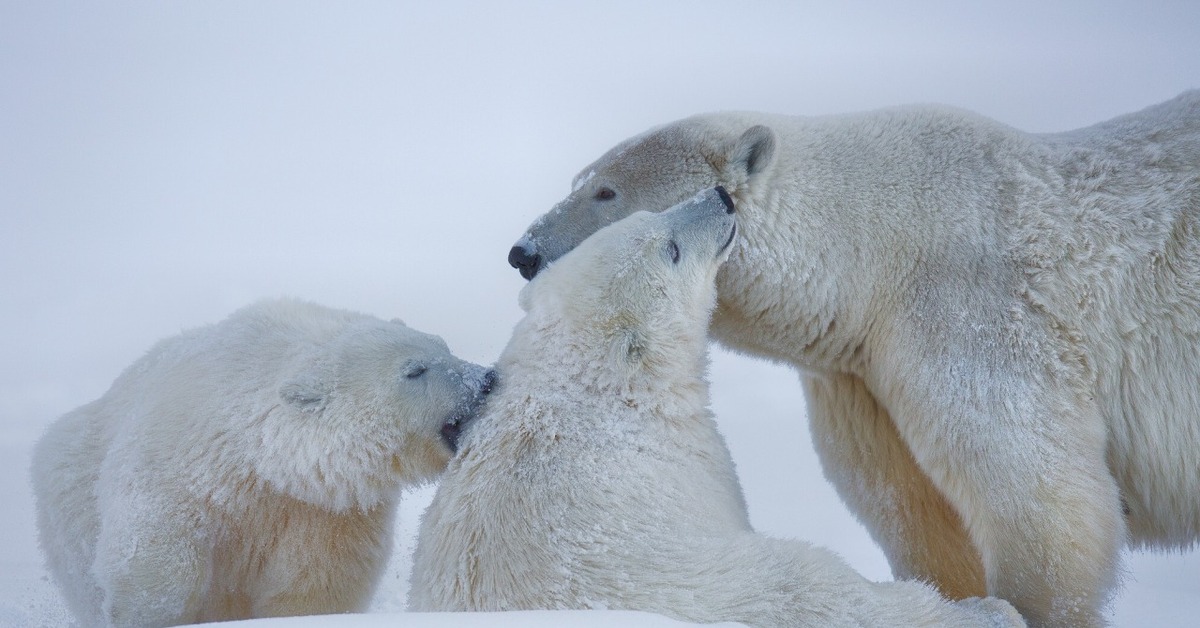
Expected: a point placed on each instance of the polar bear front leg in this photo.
(1023, 459)
(324, 562)
(147, 563)
(879, 480)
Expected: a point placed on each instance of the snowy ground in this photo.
(162, 164)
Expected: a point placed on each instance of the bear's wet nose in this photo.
(725, 198)
(525, 261)
(488, 383)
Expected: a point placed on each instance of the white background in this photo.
(162, 164)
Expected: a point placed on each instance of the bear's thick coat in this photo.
(249, 468)
(596, 478)
(998, 332)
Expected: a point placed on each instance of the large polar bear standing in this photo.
(248, 468)
(596, 477)
(998, 332)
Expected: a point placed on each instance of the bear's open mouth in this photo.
(453, 428)
(729, 240)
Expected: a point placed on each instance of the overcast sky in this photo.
(164, 163)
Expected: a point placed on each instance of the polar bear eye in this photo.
(605, 194)
(673, 251)
(415, 371)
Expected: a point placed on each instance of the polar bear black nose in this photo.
(525, 261)
(489, 382)
(725, 198)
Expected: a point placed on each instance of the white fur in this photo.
(596, 477)
(999, 332)
(245, 469)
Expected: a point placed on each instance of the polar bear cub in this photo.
(596, 477)
(249, 468)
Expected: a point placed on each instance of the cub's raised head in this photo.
(642, 287)
(652, 171)
(380, 406)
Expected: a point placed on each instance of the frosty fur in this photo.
(596, 477)
(998, 332)
(246, 469)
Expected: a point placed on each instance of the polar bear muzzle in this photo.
(529, 261)
(466, 412)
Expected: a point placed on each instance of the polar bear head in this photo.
(378, 406)
(652, 171)
(636, 296)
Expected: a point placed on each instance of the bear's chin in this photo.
(452, 431)
(419, 464)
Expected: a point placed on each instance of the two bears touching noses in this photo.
(998, 334)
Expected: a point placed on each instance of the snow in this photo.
(525, 619)
(162, 164)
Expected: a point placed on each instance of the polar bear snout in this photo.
(481, 384)
(488, 382)
(528, 258)
(709, 214)
(525, 259)
(725, 198)
(729, 240)
(730, 209)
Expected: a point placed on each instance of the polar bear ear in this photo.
(753, 153)
(307, 391)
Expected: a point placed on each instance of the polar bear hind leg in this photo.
(872, 469)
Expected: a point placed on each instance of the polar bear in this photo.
(596, 478)
(998, 332)
(249, 468)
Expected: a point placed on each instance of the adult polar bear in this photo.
(596, 477)
(998, 332)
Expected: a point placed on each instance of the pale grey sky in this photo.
(161, 163)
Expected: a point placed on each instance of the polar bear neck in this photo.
(563, 355)
(818, 232)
